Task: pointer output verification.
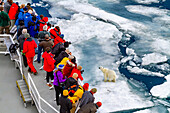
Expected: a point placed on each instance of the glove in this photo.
(22, 52)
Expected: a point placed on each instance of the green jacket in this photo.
(4, 19)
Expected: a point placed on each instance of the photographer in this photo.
(58, 48)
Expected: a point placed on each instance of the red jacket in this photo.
(43, 22)
(29, 47)
(55, 36)
(48, 62)
(13, 11)
(75, 70)
(67, 70)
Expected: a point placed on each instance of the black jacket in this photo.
(57, 49)
(88, 108)
(70, 81)
(65, 103)
(60, 57)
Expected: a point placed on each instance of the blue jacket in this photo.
(20, 16)
(33, 28)
(27, 18)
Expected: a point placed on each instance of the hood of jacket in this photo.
(29, 39)
(45, 19)
(44, 54)
(22, 10)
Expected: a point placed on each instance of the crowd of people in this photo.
(36, 35)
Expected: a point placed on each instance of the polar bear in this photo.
(110, 74)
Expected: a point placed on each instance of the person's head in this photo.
(1, 8)
(29, 4)
(99, 104)
(75, 75)
(41, 16)
(34, 18)
(22, 6)
(70, 57)
(66, 44)
(17, 3)
(10, 1)
(65, 92)
(47, 37)
(93, 90)
(48, 24)
(73, 60)
(58, 28)
(61, 66)
(26, 35)
(79, 68)
(86, 86)
(45, 27)
(25, 9)
(24, 31)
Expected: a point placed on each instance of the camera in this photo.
(82, 71)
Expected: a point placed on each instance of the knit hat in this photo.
(26, 35)
(61, 66)
(93, 90)
(62, 36)
(86, 86)
(66, 44)
(65, 92)
(99, 104)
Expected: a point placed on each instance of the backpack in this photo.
(13, 48)
(61, 36)
(72, 89)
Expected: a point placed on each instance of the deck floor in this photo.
(10, 100)
(43, 89)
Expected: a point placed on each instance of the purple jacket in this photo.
(60, 78)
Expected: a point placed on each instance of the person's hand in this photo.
(22, 52)
(73, 65)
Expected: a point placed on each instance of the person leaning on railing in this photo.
(4, 21)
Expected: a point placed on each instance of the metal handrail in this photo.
(18, 53)
(30, 81)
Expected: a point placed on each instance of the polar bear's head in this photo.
(102, 69)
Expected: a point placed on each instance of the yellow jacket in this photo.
(77, 95)
(64, 61)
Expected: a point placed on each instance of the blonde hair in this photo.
(79, 68)
(75, 75)
(22, 6)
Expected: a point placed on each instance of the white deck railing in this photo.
(18, 62)
(40, 103)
